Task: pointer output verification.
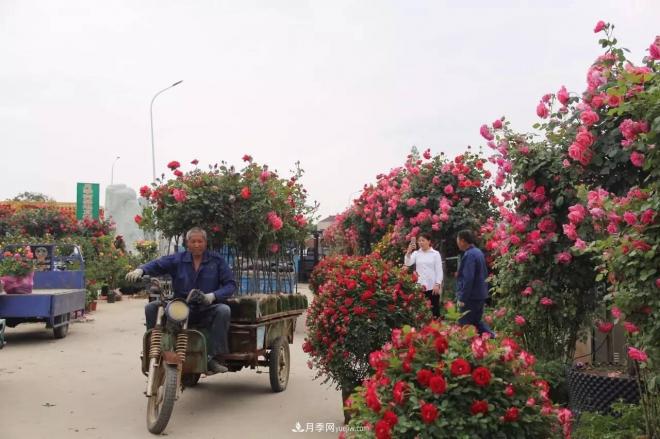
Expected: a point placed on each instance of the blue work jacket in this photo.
(214, 274)
(472, 274)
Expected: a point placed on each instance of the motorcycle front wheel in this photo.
(161, 401)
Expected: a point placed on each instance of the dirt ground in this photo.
(89, 385)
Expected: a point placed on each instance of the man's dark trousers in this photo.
(475, 309)
(215, 317)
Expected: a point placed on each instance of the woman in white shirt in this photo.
(428, 265)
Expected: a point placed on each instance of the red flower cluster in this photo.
(405, 383)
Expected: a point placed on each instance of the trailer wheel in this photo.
(62, 331)
(278, 364)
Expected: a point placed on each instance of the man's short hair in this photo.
(196, 230)
(467, 235)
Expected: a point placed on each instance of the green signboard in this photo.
(87, 205)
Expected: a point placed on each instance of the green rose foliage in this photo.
(445, 381)
(357, 302)
(252, 209)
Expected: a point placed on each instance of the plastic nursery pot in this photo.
(590, 391)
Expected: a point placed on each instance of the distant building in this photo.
(325, 223)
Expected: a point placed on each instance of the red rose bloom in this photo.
(441, 344)
(481, 376)
(509, 391)
(429, 413)
(438, 384)
(398, 392)
(390, 417)
(383, 430)
(424, 376)
(511, 414)
(245, 193)
(137, 219)
(173, 165)
(178, 173)
(479, 407)
(460, 367)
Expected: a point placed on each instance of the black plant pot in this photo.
(590, 392)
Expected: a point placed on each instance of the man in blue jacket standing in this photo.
(471, 287)
(197, 268)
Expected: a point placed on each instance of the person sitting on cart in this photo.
(197, 268)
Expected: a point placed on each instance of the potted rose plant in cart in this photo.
(17, 271)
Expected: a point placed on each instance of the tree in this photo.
(33, 197)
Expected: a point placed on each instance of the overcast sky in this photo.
(346, 87)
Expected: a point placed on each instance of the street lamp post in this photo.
(112, 171)
(151, 113)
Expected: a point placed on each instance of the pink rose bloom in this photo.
(527, 292)
(528, 359)
(614, 101)
(566, 163)
(612, 229)
(275, 221)
(580, 244)
(264, 176)
(179, 195)
(530, 185)
(654, 49)
(546, 301)
(563, 257)
(647, 216)
(599, 26)
(616, 312)
(411, 202)
(637, 159)
(497, 124)
(637, 355)
(630, 218)
(485, 132)
(585, 138)
(630, 328)
(605, 327)
(449, 189)
(589, 118)
(520, 320)
(531, 402)
(436, 180)
(597, 101)
(274, 248)
(562, 95)
(542, 111)
(522, 256)
(570, 231)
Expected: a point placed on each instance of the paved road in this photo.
(89, 385)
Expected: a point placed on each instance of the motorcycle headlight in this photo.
(177, 310)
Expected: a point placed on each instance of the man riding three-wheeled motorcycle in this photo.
(174, 354)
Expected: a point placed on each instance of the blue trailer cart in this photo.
(58, 294)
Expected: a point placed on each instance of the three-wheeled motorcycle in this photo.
(175, 356)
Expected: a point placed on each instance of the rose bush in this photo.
(251, 209)
(429, 194)
(593, 141)
(443, 380)
(357, 302)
